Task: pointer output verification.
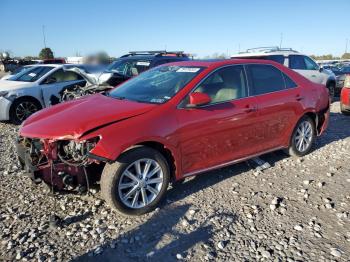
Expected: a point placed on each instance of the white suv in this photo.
(300, 63)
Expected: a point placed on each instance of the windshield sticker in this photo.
(142, 63)
(157, 100)
(32, 74)
(188, 70)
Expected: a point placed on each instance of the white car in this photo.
(300, 63)
(38, 87)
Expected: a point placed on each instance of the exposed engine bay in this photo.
(62, 164)
(77, 91)
(92, 85)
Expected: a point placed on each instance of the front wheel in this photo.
(22, 108)
(136, 182)
(303, 137)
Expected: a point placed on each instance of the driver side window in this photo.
(225, 84)
(63, 76)
(310, 65)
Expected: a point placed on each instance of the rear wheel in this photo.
(303, 137)
(136, 182)
(22, 108)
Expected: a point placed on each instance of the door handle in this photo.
(250, 109)
(299, 98)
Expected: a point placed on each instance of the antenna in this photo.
(44, 36)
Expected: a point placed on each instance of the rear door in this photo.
(279, 104)
(223, 130)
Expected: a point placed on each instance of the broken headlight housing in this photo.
(74, 152)
(3, 93)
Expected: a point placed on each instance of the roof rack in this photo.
(156, 53)
(268, 49)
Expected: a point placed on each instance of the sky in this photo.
(201, 27)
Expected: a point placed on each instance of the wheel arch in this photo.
(166, 152)
(317, 118)
(330, 81)
(24, 97)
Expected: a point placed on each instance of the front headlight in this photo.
(3, 93)
(75, 152)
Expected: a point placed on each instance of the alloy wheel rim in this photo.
(303, 136)
(25, 109)
(140, 183)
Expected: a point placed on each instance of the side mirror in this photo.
(50, 80)
(198, 99)
(320, 69)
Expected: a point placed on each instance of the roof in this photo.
(265, 51)
(217, 63)
(50, 65)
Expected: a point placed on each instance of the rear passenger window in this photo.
(277, 58)
(289, 82)
(297, 62)
(266, 79)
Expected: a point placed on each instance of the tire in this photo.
(118, 173)
(26, 105)
(331, 90)
(295, 149)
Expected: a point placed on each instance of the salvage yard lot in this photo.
(298, 209)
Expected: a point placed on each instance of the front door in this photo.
(54, 84)
(223, 130)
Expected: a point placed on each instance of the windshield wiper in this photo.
(118, 97)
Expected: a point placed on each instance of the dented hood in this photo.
(72, 119)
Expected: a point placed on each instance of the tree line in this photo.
(331, 57)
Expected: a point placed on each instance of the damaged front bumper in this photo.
(5, 105)
(39, 159)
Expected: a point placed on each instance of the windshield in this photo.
(129, 67)
(32, 74)
(157, 85)
(20, 69)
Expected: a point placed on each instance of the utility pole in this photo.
(281, 40)
(44, 36)
(346, 45)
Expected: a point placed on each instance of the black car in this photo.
(134, 63)
(340, 75)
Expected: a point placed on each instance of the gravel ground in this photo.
(296, 210)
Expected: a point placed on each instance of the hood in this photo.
(72, 119)
(7, 85)
(329, 72)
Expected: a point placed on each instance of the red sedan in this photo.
(345, 97)
(171, 122)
